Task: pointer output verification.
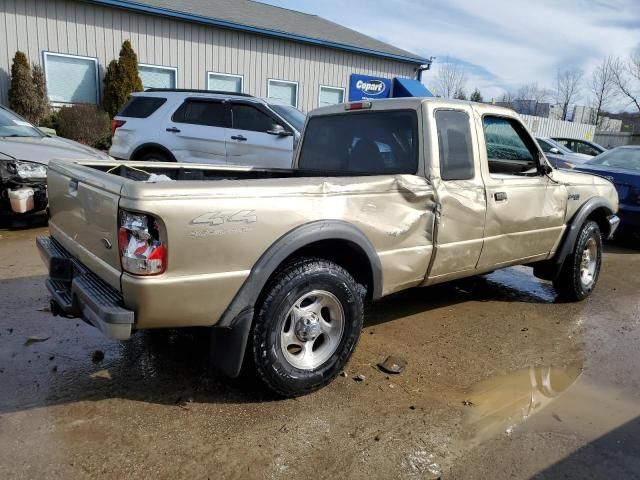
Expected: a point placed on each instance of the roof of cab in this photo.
(412, 103)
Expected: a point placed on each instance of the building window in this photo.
(156, 76)
(284, 91)
(330, 96)
(71, 78)
(224, 82)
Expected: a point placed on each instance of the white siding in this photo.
(78, 28)
(547, 127)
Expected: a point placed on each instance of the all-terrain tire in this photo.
(295, 281)
(573, 284)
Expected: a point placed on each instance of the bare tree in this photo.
(531, 95)
(602, 88)
(568, 88)
(450, 79)
(626, 77)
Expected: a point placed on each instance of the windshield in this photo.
(292, 115)
(12, 125)
(623, 158)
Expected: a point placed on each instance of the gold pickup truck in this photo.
(383, 196)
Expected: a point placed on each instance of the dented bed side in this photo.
(215, 236)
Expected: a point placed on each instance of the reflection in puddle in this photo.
(498, 404)
(519, 284)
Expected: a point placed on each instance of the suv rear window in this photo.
(363, 142)
(141, 107)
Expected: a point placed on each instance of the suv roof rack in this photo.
(192, 90)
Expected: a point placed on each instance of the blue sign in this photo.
(364, 87)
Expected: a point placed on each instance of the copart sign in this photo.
(364, 87)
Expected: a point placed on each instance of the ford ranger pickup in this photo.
(384, 196)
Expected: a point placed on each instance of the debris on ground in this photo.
(360, 378)
(104, 374)
(35, 339)
(343, 374)
(46, 308)
(377, 438)
(97, 356)
(468, 403)
(525, 329)
(393, 364)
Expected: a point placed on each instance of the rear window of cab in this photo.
(141, 106)
(383, 142)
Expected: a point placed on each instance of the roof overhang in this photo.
(189, 17)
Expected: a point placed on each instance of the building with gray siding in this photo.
(234, 45)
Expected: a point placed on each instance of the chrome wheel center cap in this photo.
(308, 327)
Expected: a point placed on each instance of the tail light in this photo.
(142, 252)
(116, 124)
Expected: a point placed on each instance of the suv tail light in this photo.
(116, 124)
(141, 250)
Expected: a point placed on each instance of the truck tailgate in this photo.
(84, 216)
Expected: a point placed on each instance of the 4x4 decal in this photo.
(214, 219)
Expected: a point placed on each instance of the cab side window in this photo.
(510, 150)
(455, 145)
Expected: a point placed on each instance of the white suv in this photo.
(206, 127)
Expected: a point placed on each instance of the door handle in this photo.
(240, 138)
(173, 130)
(500, 196)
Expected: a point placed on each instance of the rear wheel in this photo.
(156, 156)
(581, 268)
(307, 326)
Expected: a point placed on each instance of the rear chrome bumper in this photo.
(614, 223)
(77, 292)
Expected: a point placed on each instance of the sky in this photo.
(502, 44)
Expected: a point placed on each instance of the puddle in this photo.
(518, 283)
(498, 404)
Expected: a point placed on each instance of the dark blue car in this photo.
(622, 166)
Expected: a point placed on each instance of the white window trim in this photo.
(163, 67)
(233, 75)
(47, 53)
(291, 82)
(332, 88)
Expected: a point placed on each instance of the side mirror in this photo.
(48, 131)
(544, 168)
(555, 151)
(279, 131)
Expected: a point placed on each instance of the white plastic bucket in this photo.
(21, 200)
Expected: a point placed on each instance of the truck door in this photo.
(460, 191)
(525, 209)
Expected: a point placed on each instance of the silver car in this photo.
(25, 151)
(560, 156)
(199, 126)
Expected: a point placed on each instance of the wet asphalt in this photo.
(502, 381)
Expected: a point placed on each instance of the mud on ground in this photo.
(502, 381)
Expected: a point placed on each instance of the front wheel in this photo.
(307, 326)
(581, 268)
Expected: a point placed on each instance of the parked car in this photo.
(25, 152)
(560, 156)
(584, 147)
(621, 165)
(384, 195)
(206, 127)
